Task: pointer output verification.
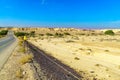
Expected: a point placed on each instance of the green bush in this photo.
(26, 59)
(109, 32)
(3, 32)
(41, 34)
(76, 58)
(21, 34)
(58, 35)
(49, 34)
(66, 33)
(19, 73)
(32, 33)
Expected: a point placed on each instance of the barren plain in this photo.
(91, 53)
(92, 56)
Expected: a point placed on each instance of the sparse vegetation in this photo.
(66, 33)
(97, 65)
(92, 71)
(109, 32)
(3, 32)
(76, 58)
(118, 66)
(26, 59)
(75, 38)
(107, 69)
(20, 43)
(106, 50)
(19, 73)
(68, 41)
(49, 34)
(81, 49)
(93, 34)
(58, 35)
(81, 34)
(90, 50)
(41, 38)
(19, 34)
(32, 33)
(41, 34)
(22, 50)
(88, 53)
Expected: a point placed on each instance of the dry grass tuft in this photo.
(97, 65)
(26, 59)
(69, 41)
(90, 50)
(106, 50)
(81, 49)
(118, 66)
(76, 58)
(20, 43)
(19, 73)
(22, 49)
(107, 69)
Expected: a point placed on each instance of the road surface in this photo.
(7, 45)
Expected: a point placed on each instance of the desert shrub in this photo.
(41, 38)
(106, 50)
(109, 32)
(58, 35)
(22, 50)
(32, 33)
(81, 33)
(107, 69)
(68, 41)
(41, 34)
(18, 34)
(97, 65)
(87, 34)
(81, 49)
(66, 33)
(88, 53)
(49, 34)
(3, 32)
(93, 34)
(20, 43)
(76, 58)
(90, 50)
(100, 33)
(26, 59)
(118, 66)
(92, 71)
(19, 73)
(75, 38)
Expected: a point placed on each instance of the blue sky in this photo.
(60, 13)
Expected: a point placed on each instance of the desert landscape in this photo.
(91, 53)
(59, 40)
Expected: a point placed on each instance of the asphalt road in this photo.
(7, 45)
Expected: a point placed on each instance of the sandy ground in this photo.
(94, 57)
(10, 71)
